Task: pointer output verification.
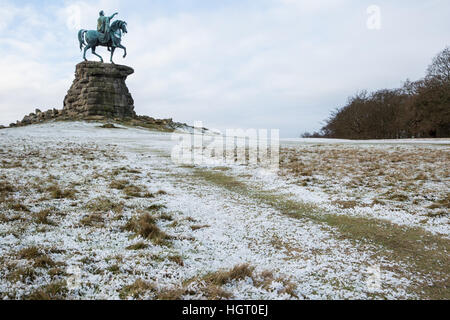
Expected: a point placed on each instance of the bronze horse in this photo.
(91, 39)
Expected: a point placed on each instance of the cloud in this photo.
(281, 64)
(308, 7)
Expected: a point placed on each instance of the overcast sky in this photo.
(281, 64)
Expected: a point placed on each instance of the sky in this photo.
(263, 64)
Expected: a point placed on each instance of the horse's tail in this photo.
(81, 34)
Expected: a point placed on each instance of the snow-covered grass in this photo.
(407, 184)
(92, 213)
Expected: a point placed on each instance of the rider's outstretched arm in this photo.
(113, 15)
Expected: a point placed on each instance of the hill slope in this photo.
(97, 213)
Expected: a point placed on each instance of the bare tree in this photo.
(420, 109)
(440, 67)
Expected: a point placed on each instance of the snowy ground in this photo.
(92, 213)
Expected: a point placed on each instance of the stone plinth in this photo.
(99, 89)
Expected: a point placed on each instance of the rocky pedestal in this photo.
(99, 93)
(99, 89)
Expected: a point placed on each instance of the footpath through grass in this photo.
(422, 253)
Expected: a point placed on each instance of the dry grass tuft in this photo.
(146, 227)
(137, 289)
(438, 214)
(398, 197)
(57, 193)
(41, 260)
(24, 275)
(177, 259)
(222, 277)
(118, 184)
(115, 269)
(134, 171)
(6, 187)
(93, 220)
(215, 292)
(57, 272)
(16, 217)
(44, 261)
(18, 207)
(350, 204)
(198, 227)
(264, 280)
(133, 191)
(52, 291)
(105, 205)
(378, 201)
(441, 204)
(289, 288)
(156, 207)
(138, 246)
(10, 165)
(165, 216)
(175, 293)
(109, 126)
(42, 217)
(29, 253)
(209, 286)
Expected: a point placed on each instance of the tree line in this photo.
(419, 109)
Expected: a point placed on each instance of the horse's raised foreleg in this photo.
(124, 49)
(93, 52)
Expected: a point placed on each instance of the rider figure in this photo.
(103, 25)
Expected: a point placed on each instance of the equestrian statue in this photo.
(107, 35)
